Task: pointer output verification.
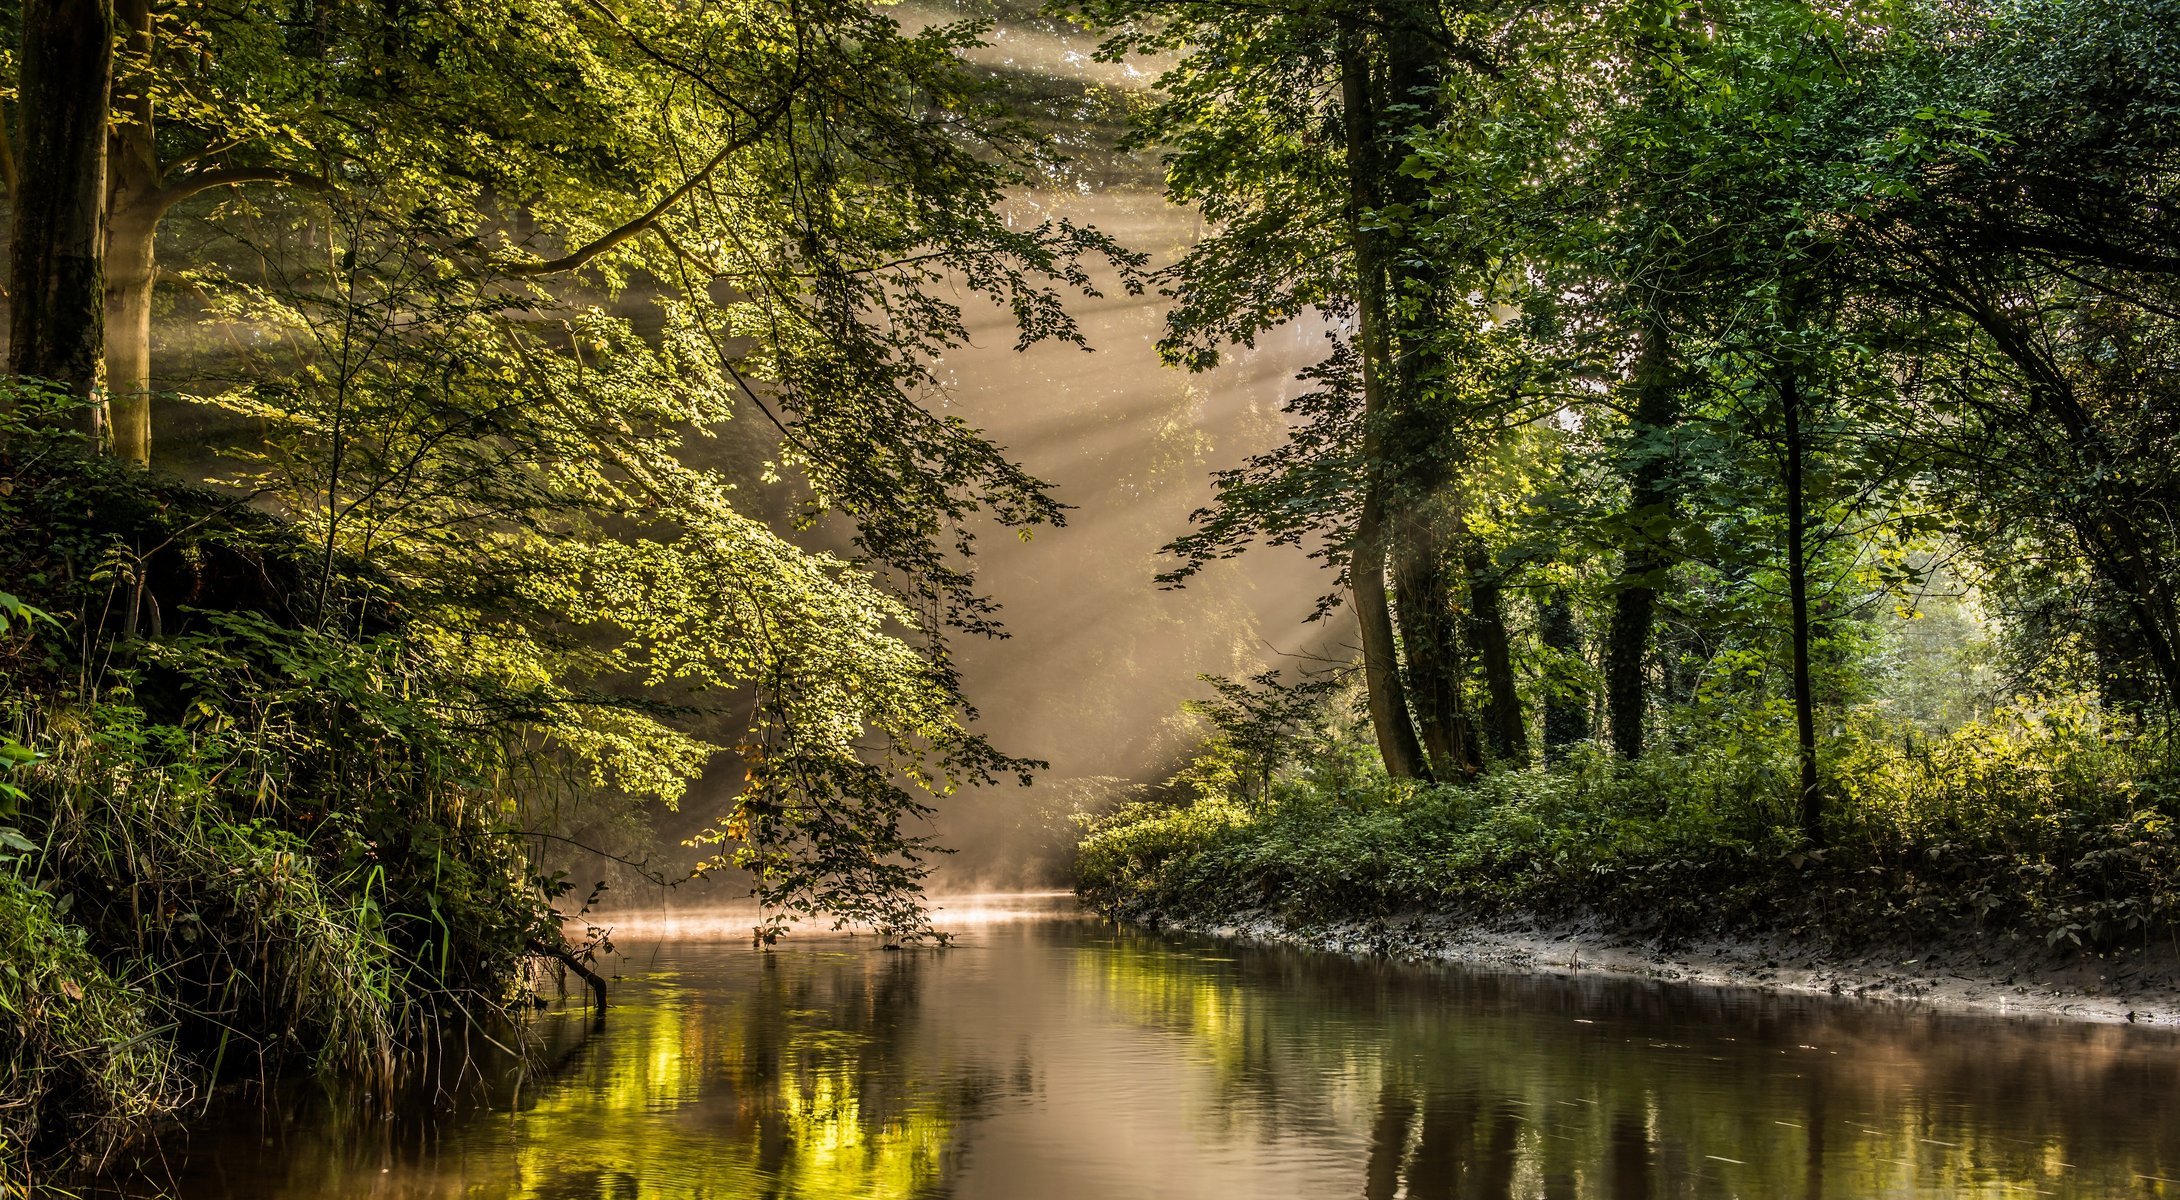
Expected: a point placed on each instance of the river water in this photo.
(1050, 1055)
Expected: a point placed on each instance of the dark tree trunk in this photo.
(56, 283)
(1504, 725)
(1432, 639)
(1566, 702)
(1396, 734)
(1428, 592)
(1650, 510)
(1811, 803)
(1627, 662)
(1389, 719)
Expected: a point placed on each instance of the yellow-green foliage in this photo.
(2028, 763)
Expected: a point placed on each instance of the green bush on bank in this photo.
(234, 838)
(2035, 821)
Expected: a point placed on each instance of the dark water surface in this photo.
(1052, 1056)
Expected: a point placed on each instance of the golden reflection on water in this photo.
(1061, 1058)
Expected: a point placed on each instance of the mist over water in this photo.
(1098, 657)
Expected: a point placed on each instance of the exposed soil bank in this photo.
(1997, 974)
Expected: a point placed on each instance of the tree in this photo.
(1346, 225)
(57, 184)
(801, 194)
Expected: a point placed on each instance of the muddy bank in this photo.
(1996, 974)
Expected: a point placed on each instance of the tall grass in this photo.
(235, 837)
(83, 1056)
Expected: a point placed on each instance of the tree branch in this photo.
(650, 216)
(204, 181)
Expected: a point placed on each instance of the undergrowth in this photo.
(82, 1059)
(236, 837)
(2035, 821)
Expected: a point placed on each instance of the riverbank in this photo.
(2040, 884)
(1999, 975)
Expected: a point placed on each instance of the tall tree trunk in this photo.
(1427, 591)
(1396, 735)
(1431, 637)
(1566, 703)
(134, 206)
(1389, 718)
(1634, 609)
(1811, 801)
(56, 322)
(1627, 659)
(1504, 724)
(129, 273)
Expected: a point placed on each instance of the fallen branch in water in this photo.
(597, 982)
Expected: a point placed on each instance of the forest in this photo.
(1737, 479)
(1744, 462)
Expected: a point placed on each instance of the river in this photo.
(1051, 1056)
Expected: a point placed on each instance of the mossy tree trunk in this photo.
(1431, 639)
(1389, 717)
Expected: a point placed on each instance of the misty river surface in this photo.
(1050, 1055)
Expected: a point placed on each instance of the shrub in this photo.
(2034, 821)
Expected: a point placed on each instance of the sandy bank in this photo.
(1995, 974)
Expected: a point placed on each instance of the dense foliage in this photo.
(1776, 394)
(474, 300)
(2036, 826)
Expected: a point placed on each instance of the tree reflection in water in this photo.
(1479, 1085)
(785, 1078)
(1065, 1060)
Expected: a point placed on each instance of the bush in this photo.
(234, 838)
(2035, 821)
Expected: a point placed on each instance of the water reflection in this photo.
(1060, 1058)
(724, 1072)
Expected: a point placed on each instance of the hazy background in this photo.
(1099, 658)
